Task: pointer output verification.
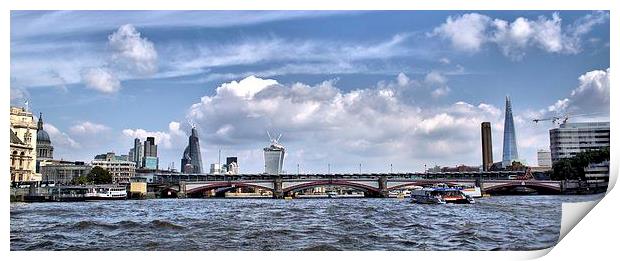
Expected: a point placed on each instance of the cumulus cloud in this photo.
(172, 138)
(101, 79)
(131, 50)
(372, 123)
(469, 32)
(59, 139)
(591, 96)
(88, 127)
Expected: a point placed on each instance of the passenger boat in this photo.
(106, 193)
(440, 196)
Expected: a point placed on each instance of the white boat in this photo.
(473, 192)
(440, 196)
(106, 193)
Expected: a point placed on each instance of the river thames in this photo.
(495, 223)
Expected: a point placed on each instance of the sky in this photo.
(378, 88)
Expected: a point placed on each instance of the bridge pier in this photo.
(278, 192)
(383, 187)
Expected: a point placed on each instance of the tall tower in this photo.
(274, 156)
(510, 137)
(487, 146)
(191, 162)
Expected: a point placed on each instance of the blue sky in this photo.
(402, 87)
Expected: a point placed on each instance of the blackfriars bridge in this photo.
(372, 184)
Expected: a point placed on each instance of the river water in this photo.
(495, 223)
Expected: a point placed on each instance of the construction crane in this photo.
(564, 118)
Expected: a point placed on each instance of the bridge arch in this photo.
(206, 187)
(539, 187)
(341, 183)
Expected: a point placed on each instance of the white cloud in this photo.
(466, 32)
(88, 127)
(369, 123)
(441, 91)
(174, 137)
(591, 96)
(132, 51)
(59, 139)
(101, 79)
(469, 32)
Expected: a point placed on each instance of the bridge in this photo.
(372, 184)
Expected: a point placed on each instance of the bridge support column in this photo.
(277, 188)
(182, 190)
(383, 191)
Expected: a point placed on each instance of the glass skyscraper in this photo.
(192, 160)
(510, 153)
(274, 158)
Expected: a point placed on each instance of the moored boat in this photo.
(106, 193)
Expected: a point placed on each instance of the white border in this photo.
(594, 237)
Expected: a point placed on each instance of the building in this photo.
(150, 159)
(232, 165)
(544, 158)
(510, 152)
(62, 172)
(597, 174)
(23, 146)
(191, 162)
(571, 138)
(274, 157)
(215, 168)
(487, 146)
(149, 162)
(45, 150)
(461, 168)
(122, 171)
(138, 153)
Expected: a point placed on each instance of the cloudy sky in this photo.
(406, 88)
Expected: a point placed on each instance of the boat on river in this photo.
(436, 195)
(106, 193)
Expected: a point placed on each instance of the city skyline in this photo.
(339, 98)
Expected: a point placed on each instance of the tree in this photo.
(574, 168)
(98, 175)
(80, 180)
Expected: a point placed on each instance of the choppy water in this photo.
(496, 223)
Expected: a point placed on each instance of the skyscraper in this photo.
(274, 156)
(138, 153)
(487, 146)
(510, 153)
(150, 160)
(192, 161)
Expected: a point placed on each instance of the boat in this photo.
(440, 196)
(106, 193)
(332, 194)
(473, 192)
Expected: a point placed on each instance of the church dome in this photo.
(42, 136)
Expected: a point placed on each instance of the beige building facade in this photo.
(23, 145)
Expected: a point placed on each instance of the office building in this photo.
(138, 152)
(487, 146)
(544, 158)
(510, 152)
(191, 162)
(571, 138)
(122, 171)
(62, 172)
(232, 166)
(23, 144)
(150, 159)
(274, 157)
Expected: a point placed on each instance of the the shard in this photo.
(510, 153)
(192, 161)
